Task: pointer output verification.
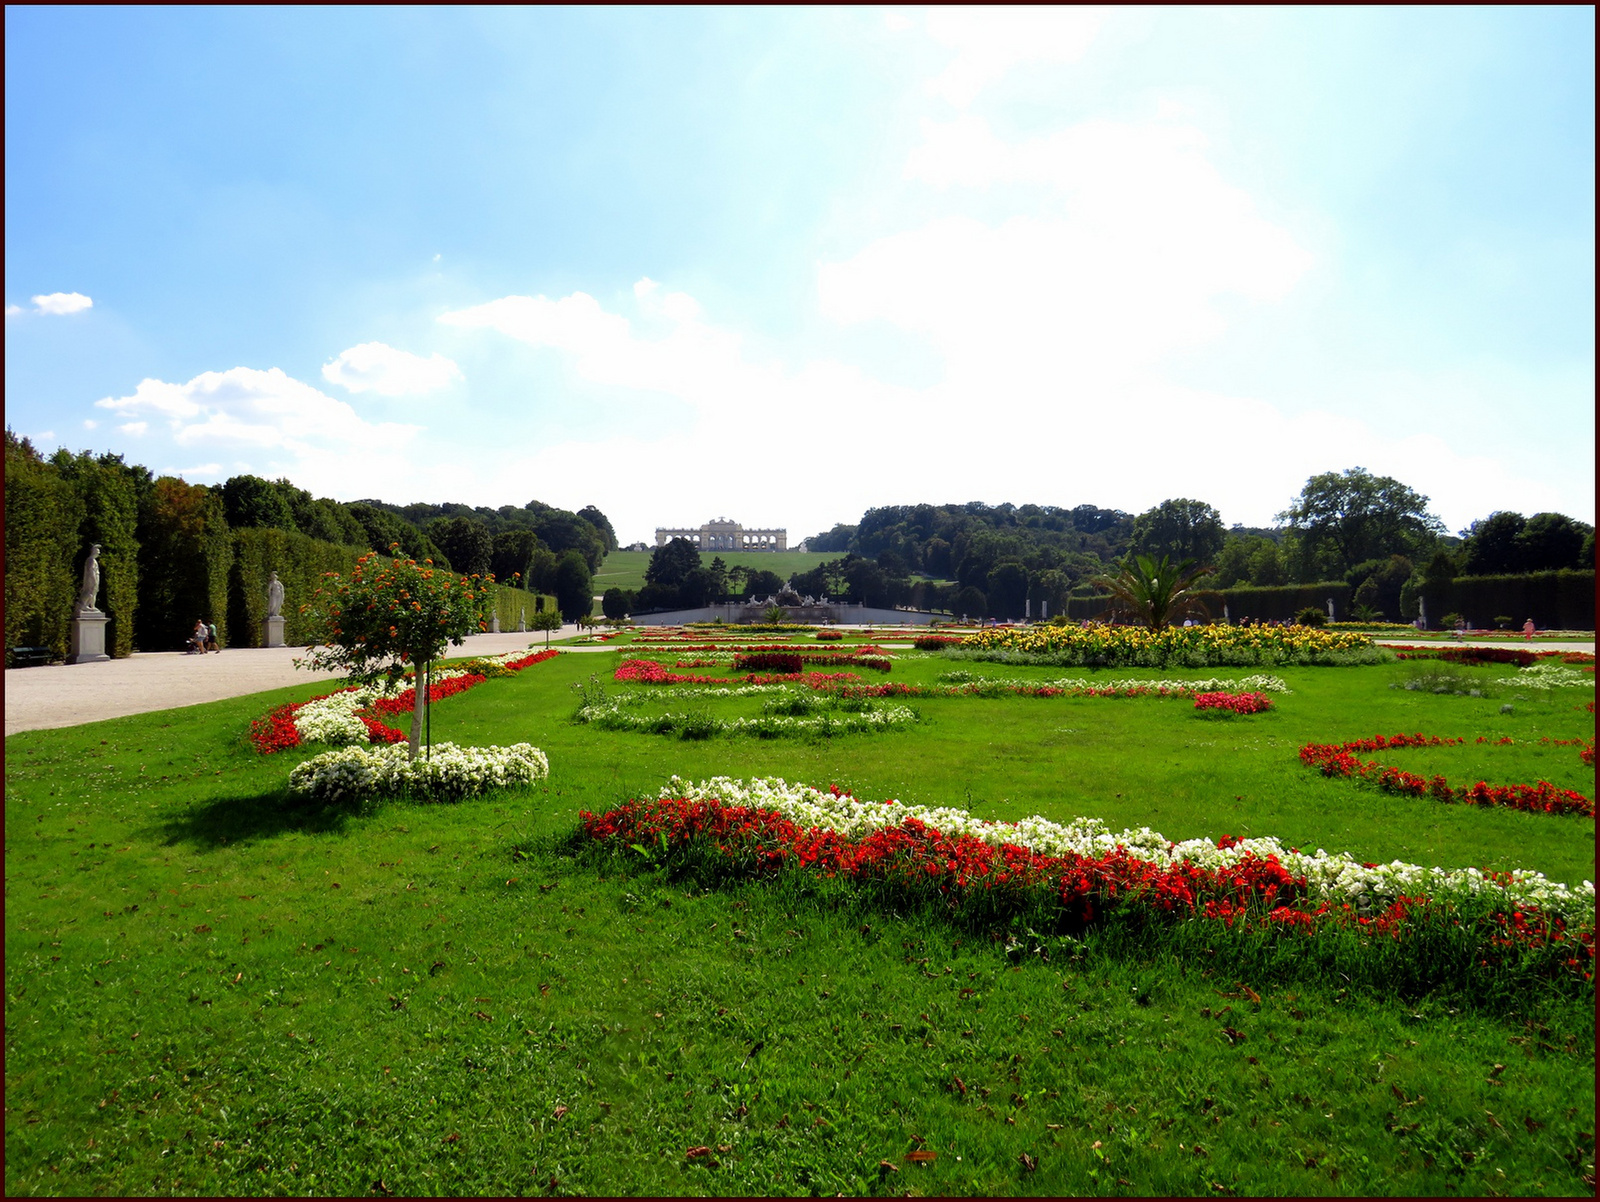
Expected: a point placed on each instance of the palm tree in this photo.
(1155, 592)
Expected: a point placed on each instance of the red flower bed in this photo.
(934, 642)
(1238, 703)
(276, 730)
(814, 680)
(970, 879)
(1336, 759)
(1488, 655)
(646, 671)
(768, 661)
(964, 870)
(829, 636)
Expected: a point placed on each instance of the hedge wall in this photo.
(299, 562)
(110, 492)
(1554, 600)
(509, 602)
(185, 553)
(42, 516)
(1279, 604)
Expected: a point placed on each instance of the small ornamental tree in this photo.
(382, 617)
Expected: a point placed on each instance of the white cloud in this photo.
(89, 423)
(13, 310)
(57, 303)
(279, 426)
(134, 428)
(380, 368)
(45, 435)
(990, 41)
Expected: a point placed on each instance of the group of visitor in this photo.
(203, 638)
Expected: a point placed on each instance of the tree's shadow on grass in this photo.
(233, 821)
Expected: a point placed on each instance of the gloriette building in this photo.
(723, 535)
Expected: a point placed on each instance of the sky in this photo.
(783, 265)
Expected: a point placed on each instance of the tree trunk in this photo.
(419, 705)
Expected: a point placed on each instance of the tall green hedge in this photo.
(43, 514)
(299, 562)
(110, 491)
(185, 554)
(1561, 600)
(1278, 604)
(509, 602)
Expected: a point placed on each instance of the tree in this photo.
(574, 586)
(671, 564)
(511, 552)
(381, 617)
(1551, 541)
(614, 603)
(1154, 592)
(601, 523)
(759, 582)
(969, 603)
(466, 541)
(546, 621)
(1493, 545)
(1008, 590)
(111, 490)
(1180, 529)
(251, 501)
(383, 529)
(1355, 516)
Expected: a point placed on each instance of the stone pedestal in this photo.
(88, 645)
(494, 624)
(272, 632)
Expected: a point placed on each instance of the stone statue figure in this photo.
(274, 595)
(91, 579)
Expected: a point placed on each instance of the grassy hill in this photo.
(625, 569)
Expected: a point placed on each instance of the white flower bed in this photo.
(351, 773)
(1549, 676)
(333, 719)
(1338, 877)
(611, 717)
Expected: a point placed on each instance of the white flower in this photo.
(448, 772)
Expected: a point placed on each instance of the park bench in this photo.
(28, 657)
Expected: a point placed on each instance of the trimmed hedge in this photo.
(185, 553)
(42, 517)
(509, 602)
(110, 492)
(299, 562)
(1561, 600)
(1277, 604)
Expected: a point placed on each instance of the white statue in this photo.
(274, 595)
(91, 579)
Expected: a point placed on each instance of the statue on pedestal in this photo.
(91, 580)
(274, 595)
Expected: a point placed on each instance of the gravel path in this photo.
(67, 694)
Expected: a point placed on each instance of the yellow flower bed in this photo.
(1198, 645)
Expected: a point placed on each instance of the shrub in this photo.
(1488, 655)
(768, 661)
(937, 642)
(1311, 616)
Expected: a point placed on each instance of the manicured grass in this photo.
(214, 989)
(625, 569)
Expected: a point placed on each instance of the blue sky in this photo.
(785, 264)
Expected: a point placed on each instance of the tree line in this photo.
(1370, 536)
(172, 551)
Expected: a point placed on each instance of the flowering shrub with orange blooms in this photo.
(383, 617)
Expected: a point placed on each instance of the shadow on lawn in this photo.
(230, 821)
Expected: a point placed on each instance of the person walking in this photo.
(1527, 631)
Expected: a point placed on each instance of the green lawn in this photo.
(625, 569)
(213, 989)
